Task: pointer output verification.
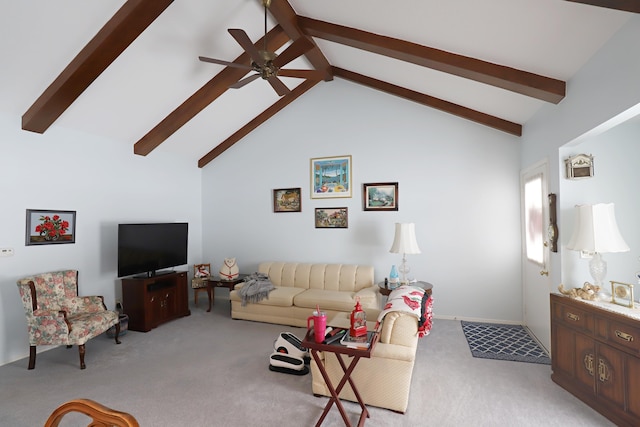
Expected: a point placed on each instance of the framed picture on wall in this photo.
(287, 200)
(46, 227)
(381, 196)
(332, 217)
(331, 177)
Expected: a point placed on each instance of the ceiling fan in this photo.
(266, 64)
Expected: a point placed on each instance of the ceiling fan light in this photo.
(268, 56)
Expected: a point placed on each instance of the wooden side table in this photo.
(428, 287)
(216, 283)
(340, 350)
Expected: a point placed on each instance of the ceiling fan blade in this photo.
(243, 40)
(277, 85)
(302, 74)
(244, 81)
(221, 62)
(296, 49)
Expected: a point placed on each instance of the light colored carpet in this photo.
(210, 370)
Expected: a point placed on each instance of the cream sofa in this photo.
(299, 288)
(384, 380)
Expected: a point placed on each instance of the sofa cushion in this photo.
(328, 300)
(334, 277)
(281, 296)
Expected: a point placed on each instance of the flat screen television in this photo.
(144, 249)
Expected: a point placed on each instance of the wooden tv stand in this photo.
(152, 301)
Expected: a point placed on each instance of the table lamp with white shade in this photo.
(404, 242)
(596, 231)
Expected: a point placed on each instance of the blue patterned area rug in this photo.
(503, 342)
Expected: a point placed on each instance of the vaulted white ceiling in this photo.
(160, 69)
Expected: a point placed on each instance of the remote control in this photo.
(336, 337)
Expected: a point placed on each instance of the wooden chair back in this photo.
(101, 415)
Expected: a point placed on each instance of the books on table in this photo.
(363, 341)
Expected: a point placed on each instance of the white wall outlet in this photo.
(586, 254)
(6, 251)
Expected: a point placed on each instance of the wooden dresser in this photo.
(595, 349)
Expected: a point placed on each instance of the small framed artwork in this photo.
(332, 218)
(381, 196)
(287, 200)
(331, 177)
(579, 166)
(46, 227)
(622, 293)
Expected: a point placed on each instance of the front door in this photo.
(536, 282)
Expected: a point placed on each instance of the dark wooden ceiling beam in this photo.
(522, 82)
(112, 39)
(284, 14)
(626, 5)
(257, 121)
(430, 101)
(197, 102)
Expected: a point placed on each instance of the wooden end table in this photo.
(428, 287)
(216, 283)
(340, 350)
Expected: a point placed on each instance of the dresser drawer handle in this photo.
(573, 317)
(624, 336)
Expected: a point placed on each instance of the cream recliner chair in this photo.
(384, 380)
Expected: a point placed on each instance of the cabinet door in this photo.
(610, 375)
(632, 378)
(586, 364)
(182, 295)
(170, 306)
(563, 345)
(155, 306)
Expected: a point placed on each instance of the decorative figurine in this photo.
(229, 269)
(358, 321)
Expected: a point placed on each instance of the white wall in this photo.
(616, 178)
(458, 182)
(105, 183)
(605, 87)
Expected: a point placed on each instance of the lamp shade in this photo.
(596, 230)
(404, 241)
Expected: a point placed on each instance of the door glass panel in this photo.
(533, 216)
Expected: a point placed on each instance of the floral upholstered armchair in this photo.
(56, 315)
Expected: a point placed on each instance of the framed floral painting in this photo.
(46, 227)
(331, 177)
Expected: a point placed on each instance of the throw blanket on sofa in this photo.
(256, 288)
(411, 299)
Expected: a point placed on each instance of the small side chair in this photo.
(56, 315)
(201, 273)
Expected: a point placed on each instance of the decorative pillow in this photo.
(426, 318)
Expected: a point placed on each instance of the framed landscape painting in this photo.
(332, 217)
(46, 227)
(287, 200)
(331, 177)
(381, 196)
